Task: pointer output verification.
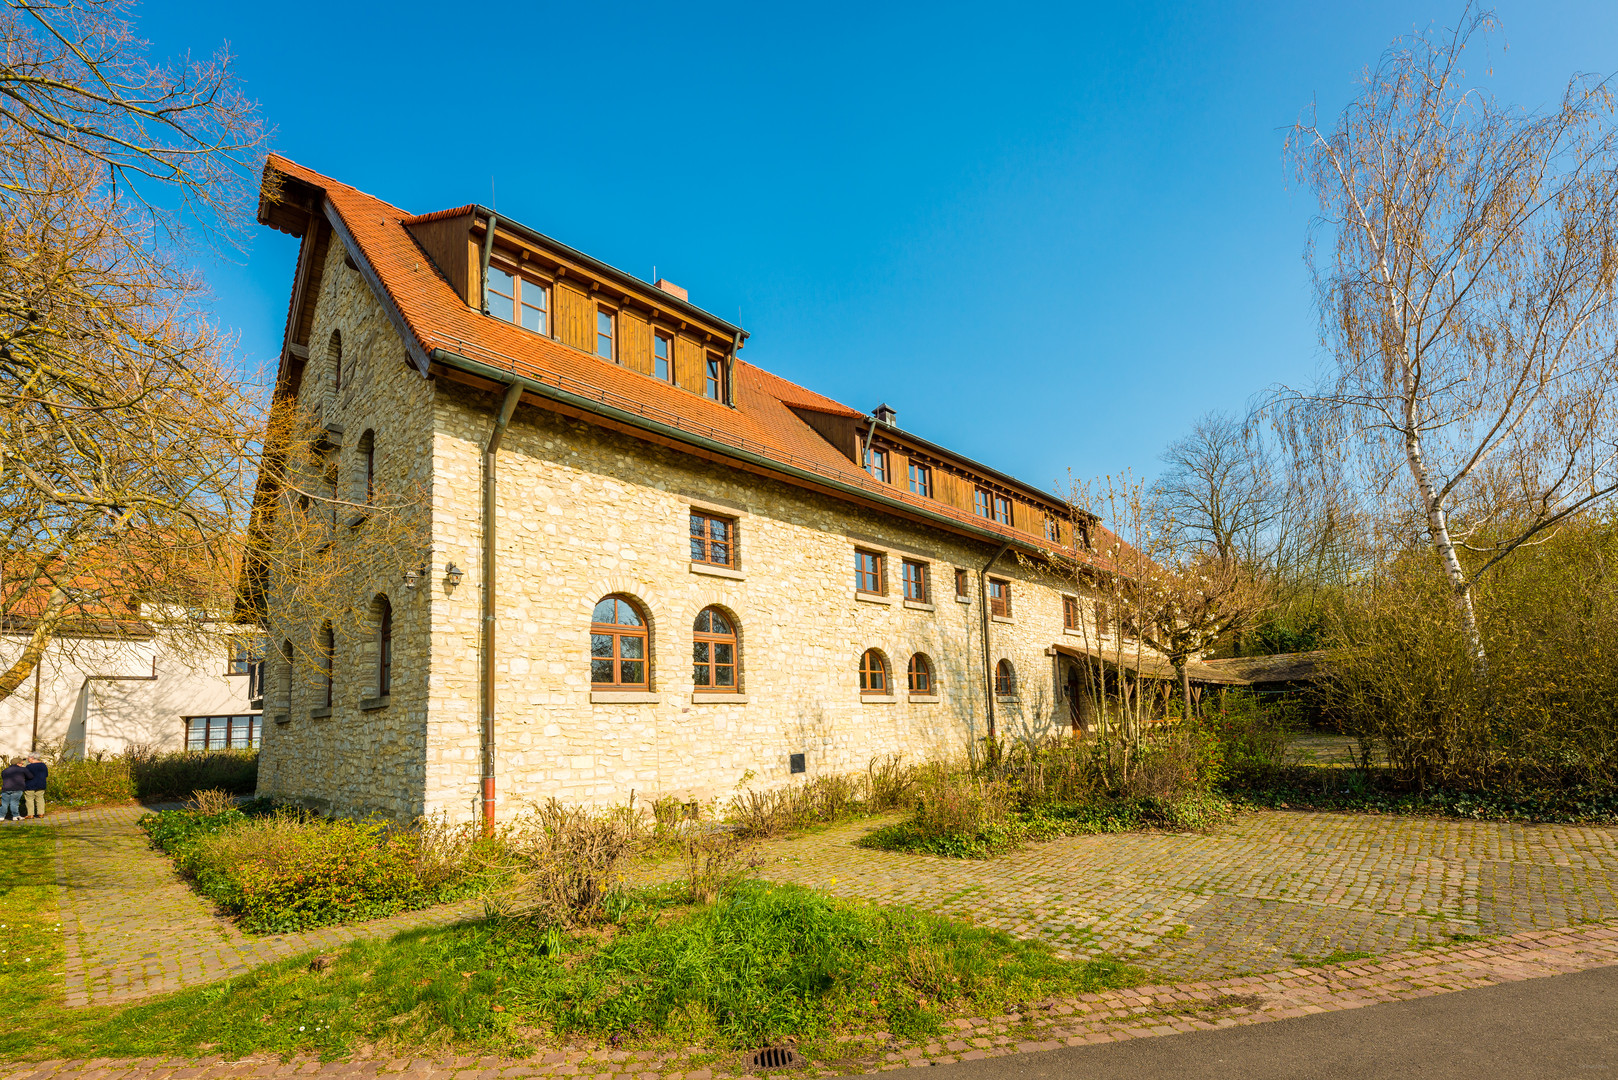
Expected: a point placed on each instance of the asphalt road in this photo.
(1563, 1026)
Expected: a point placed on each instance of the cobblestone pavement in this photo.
(1269, 891)
(134, 928)
(1114, 1016)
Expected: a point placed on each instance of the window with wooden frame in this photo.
(328, 665)
(914, 576)
(874, 679)
(920, 675)
(963, 589)
(982, 503)
(1002, 509)
(1053, 530)
(876, 463)
(713, 653)
(921, 480)
(714, 383)
(238, 732)
(1070, 612)
(515, 298)
(663, 355)
(869, 572)
(245, 651)
(1103, 620)
(606, 334)
(334, 356)
(384, 647)
(619, 644)
(1005, 679)
(713, 540)
(1000, 597)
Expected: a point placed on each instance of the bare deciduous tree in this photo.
(1466, 258)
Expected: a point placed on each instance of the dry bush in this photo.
(717, 860)
(568, 861)
(956, 804)
(213, 802)
(447, 852)
(888, 782)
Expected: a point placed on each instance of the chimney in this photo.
(672, 289)
(885, 414)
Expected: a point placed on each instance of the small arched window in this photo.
(367, 463)
(334, 357)
(874, 673)
(284, 677)
(713, 652)
(921, 675)
(1005, 679)
(618, 644)
(328, 664)
(384, 647)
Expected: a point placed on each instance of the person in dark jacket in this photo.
(13, 780)
(33, 796)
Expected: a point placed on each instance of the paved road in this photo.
(1565, 1026)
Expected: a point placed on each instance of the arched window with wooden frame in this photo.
(620, 645)
(921, 675)
(384, 646)
(714, 652)
(367, 467)
(328, 664)
(1005, 679)
(874, 678)
(334, 360)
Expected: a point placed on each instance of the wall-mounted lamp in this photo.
(453, 575)
(411, 577)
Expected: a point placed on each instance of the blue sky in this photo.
(1050, 237)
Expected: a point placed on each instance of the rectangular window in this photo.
(244, 653)
(981, 504)
(1053, 530)
(868, 575)
(961, 590)
(713, 540)
(222, 732)
(876, 463)
(1103, 621)
(915, 580)
(1000, 598)
(921, 480)
(1002, 509)
(536, 306)
(1070, 612)
(714, 386)
(500, 298)
(606, 331)
(663, 356)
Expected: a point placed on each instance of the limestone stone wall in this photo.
(357, 760)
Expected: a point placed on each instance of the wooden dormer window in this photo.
(714, 386)
(663, 355)
(1053, 530)
(1002, 509)
(519, 300)
(876, 463)
(982, 504)
(921, 480)
(606, 334)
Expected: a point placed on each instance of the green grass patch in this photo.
(1186, 813)
(764, 963)
(1336, 956)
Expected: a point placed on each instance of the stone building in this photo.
(646, 564)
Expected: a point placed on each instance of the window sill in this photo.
(1001, 618)
(717, 571)
(873, 598)
(925, 699)
(283, 718)
(319, 714)
(717, 697)
(963, 599)
(371, 704)
(878, 699)
(1007, 699)
(624, 697)
(920, 605)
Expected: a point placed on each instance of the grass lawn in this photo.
(766, 963)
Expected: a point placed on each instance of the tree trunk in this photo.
(1444, 545)
(1185, 687)
(13, 677)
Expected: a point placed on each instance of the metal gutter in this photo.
(506, 377)
(988, 662)
(944, 453)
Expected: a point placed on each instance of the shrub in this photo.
(1252, 738)
(90, 780)
(149, 775)
(569, 860)
(717, 861)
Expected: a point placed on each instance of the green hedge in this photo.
(177, 775)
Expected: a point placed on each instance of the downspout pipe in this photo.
(483, 264)
(988, 661)
(507, 407)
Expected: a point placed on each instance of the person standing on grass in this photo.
(33, 796)
(13, 781)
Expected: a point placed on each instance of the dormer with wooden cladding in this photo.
(550, 289)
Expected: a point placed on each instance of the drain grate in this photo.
(774, 1057)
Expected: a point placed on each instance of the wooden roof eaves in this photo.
(950, 457)
(673, 436)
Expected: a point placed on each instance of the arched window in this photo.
(618, 644)
(384, 647)
(713, 652)
(284, 677)
(1005, 679)
(874, 673)
(334, 358)
(367, 463)
(328, 664)
(921, 675)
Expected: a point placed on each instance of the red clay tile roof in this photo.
(762, 421)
